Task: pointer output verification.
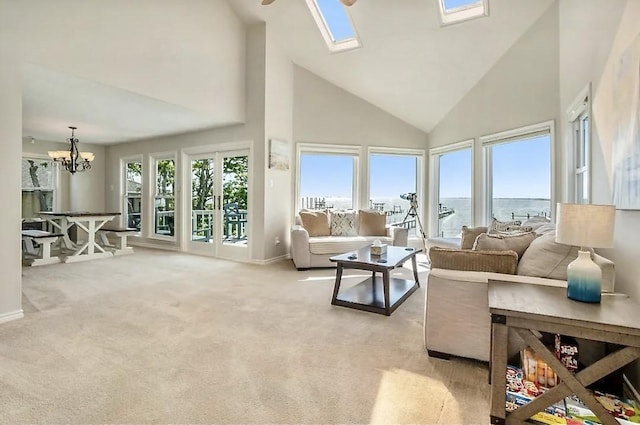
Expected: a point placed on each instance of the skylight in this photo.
(453, 11)
(334, 24)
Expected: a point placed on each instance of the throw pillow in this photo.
(547, 258)
(506, 226)
(372, 223)
(469, 235)
(316, 223)
(517, 242)
(343, 223)
(536, 221)
(478, 261)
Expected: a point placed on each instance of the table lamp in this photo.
(586, 226)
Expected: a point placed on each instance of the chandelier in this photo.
(73, 160)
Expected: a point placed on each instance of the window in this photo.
(132, 210)
(394, 176)
(39, 182)
(452, 189)
(454, 11)
(579, 119)
(164, 200)
(327, 177)
(334, 24)
(519, 173)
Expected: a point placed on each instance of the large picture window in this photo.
(394, 177)
(39, 177)
(452, 190)
(519, 173)
(327, 178)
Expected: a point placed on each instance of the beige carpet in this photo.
(160, 337)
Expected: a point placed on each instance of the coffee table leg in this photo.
(385, 284)
(415, 270)
(336, 286)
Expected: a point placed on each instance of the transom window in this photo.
(453, 11)
(334, 24)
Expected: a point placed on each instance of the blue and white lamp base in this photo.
(584, 279)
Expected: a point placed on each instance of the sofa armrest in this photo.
(300, 252)
(608, 272)
(469, 260)
(400, 235)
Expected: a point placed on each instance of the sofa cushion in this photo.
(343, 223)
(342, 244)
(469, 235)
(372, 223)
(547, 258)
(503, 242)
(468, 260)
(315, 222)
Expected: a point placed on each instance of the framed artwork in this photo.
(626, 137)
(278, 154)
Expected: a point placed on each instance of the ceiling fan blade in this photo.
(348, 2)
(267, 2)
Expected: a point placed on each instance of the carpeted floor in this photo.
(161, 337)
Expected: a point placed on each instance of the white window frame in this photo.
(578, 111)
(57, 196)
(123, 190)
(334, 46)
(325, 149)
(434, 178)
(547, 127)
(153, 187)
(420, 173)
(462, 13)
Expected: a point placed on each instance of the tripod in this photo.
(413, 212)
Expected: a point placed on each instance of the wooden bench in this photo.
(121, 247)
(43, 254)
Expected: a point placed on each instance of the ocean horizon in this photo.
(504, 209)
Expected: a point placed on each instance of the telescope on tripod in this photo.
(413, 211)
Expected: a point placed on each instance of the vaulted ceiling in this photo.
(409, 65)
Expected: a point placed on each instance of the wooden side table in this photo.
(528, 309)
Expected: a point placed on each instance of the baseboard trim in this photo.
(13, 315)
(272, 260)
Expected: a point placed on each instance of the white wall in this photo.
(521, 89)
(10, 162)
(627, 233)
(324, 113)
(278, 121)
(154, 48)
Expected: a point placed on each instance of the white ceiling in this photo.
(409, 66)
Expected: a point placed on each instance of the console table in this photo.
(526, 310)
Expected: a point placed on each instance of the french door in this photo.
(218, 209)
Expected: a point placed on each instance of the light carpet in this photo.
(162, 337)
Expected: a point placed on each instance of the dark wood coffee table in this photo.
(377, 294)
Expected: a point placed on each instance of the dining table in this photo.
(90, 222)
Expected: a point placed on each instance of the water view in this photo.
(504, 209)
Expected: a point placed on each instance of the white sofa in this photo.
(314, 251)
(456, 318)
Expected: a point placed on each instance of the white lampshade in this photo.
(59, 154)
(585, 225)
(87, 156)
